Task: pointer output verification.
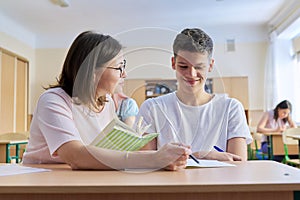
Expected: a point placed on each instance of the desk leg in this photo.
(250, 153)
(7, 153)
(296, 194)
(270, 147)
(17, 153)
(299, 152)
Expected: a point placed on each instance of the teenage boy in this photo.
(214, 125)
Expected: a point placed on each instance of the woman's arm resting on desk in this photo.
(261, 126)
(78, 156)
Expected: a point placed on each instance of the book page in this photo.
(15, 169)
(116, 136)
(207, 163)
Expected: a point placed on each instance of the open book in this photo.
(118, 136)
(207, 163)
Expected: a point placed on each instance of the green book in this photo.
(118, 136)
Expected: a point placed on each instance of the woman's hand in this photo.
(281, 129)
(173, 156)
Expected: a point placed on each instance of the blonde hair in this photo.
(89, 52)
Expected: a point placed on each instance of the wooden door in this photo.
(7, 93)
(13, 93)
(21, 96)
(236, 87)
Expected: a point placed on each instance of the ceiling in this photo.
(51, 24)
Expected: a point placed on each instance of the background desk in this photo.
(249, 180)
(296, 137)
(15, 140)
(5, 150)
(275, 145)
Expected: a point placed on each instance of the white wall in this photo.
(148, 58)
(154, 63)
(49, 63)
(247, 60)
(150, 61)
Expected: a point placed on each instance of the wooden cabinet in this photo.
(135, 89)
(140, 90)
(13, 93)
(236, 87)
(155, 88)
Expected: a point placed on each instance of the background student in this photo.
(275, 120)
(71, 113)
(126, 107)
(190, 114)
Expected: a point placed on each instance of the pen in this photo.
(194, 158)
(218, 149)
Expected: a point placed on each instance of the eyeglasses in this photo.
(121, 68)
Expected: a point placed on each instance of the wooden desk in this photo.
(5, 150)
(248, 180)
(296, 137)
(276, 147)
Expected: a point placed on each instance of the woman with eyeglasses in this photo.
(71, 113)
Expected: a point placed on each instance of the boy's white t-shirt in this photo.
(56, 121)
(202, 127)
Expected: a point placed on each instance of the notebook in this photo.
(118, 136)
(207, 163)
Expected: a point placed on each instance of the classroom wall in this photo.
(146, 61)
(154, 63)
(49, 64)
(247, 60)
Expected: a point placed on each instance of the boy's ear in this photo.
(173, 62)
(211, 65)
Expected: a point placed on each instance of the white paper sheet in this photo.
(14, 169)
(208, 163)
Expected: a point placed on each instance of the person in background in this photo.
(275, 120)
(71, 113)
(214, 125)
(126, 107)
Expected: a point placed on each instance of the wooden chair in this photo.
(257, 153)
(250, 147)
(290, 141)
(13, 139)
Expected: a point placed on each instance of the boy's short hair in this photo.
(193, 40)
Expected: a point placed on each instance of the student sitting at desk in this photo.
(126, 107)
(275, 121)
(190, 114)
(70, 114)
